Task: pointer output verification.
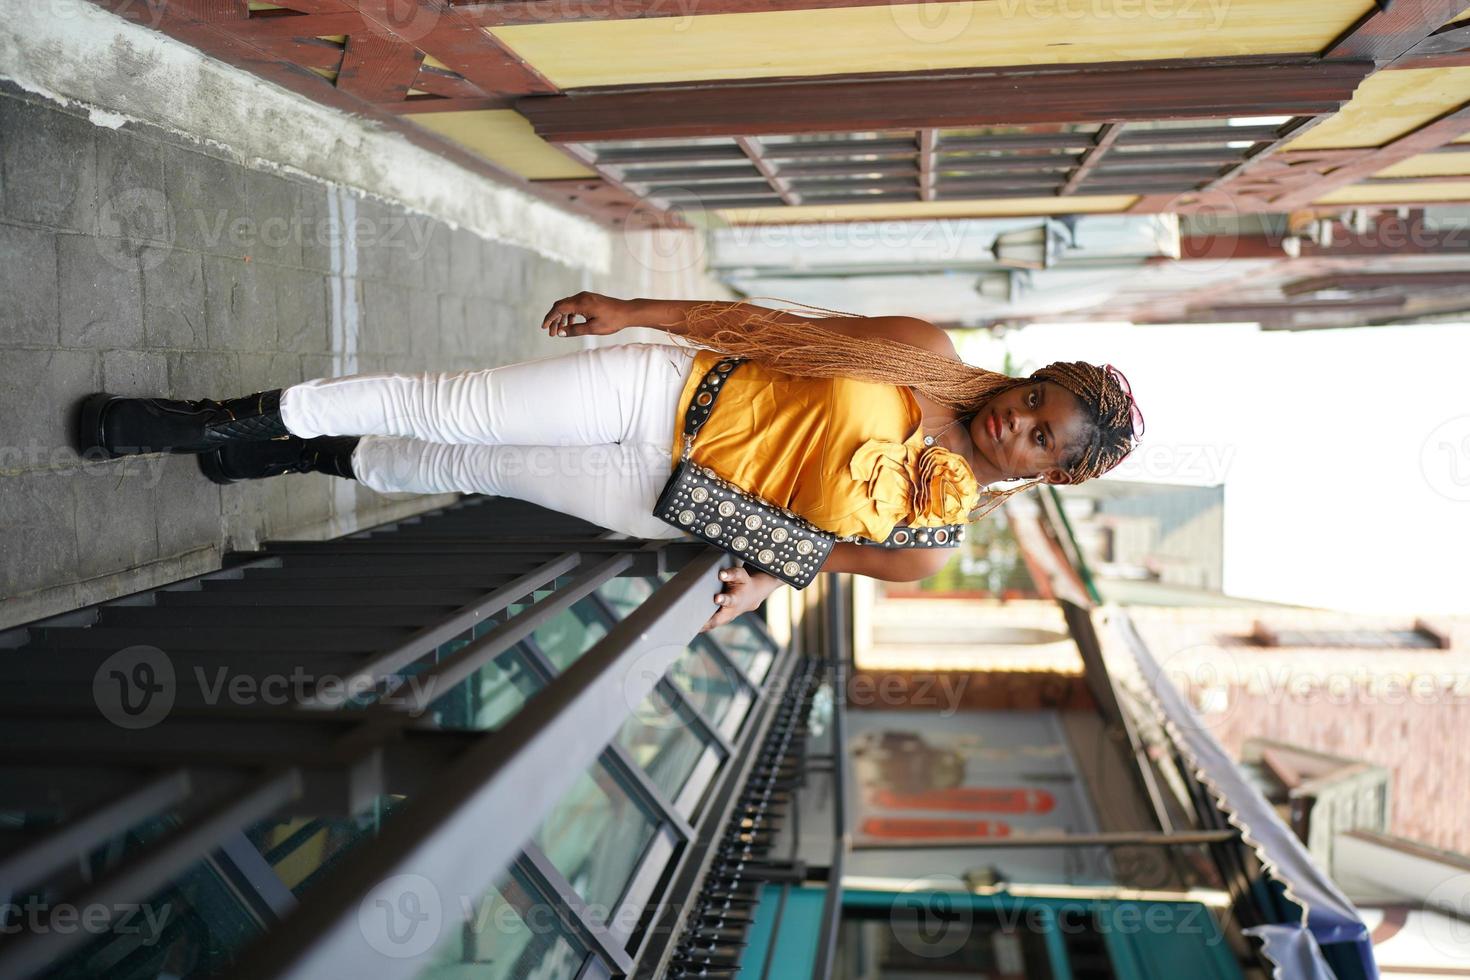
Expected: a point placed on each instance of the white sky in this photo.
(1345, 454)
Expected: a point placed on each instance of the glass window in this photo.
(509, 933)
(626, 593)
(566, 637)
(191, 927)
(488, 697)
(744, 644)
(708, 685)
(661, 741)
(300, 849)
(595, 836)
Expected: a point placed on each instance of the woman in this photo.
(858, 424)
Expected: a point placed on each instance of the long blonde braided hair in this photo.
(808, 349)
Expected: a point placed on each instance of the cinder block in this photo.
(116, 514)
(240, 304)
(386, 319)
(101, 294)
(50, 161)
(435, 262)
(301, 310)
(423, 325)
(465, 261)
(453, 326)
(131, 372)
(263, 372)
(173, 299)
(39, 391)
(206, 197)
(204, 374)
(277, 219)
(187, 505)
(29, 301)
(132, 207)
(317, 229)
(38, 541)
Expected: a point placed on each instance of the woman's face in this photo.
(1027, 431)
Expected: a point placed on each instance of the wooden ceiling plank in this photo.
(505, 13)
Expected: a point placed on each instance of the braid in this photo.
(807, 349)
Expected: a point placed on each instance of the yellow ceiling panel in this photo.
(1390, 194)
(503, 137)
(1388, 105)
(928, 209)
(917, 37)
(1429, 165)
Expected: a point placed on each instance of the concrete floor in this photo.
(137, 261)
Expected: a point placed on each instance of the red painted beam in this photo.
(918, 101)
(378, 69)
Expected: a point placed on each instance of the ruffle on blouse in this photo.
(927, 486)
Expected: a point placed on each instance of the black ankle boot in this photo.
(238, 461)
(116, 426)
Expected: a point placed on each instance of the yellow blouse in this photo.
(845, 454)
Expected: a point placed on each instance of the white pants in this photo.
(586, 433)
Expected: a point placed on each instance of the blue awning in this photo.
(1328, 918)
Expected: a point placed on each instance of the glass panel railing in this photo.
(487, 698)
(566, 637)
(595, 836)
(661, 740)
(508, 933)
(744, 644)
(626, 593)
(299, 850)
(707, 685)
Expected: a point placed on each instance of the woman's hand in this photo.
(600, 315)
(744, 590)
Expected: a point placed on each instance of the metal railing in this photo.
(295, 701)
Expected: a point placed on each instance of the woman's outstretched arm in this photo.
(601, 315)
(746, 588)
